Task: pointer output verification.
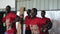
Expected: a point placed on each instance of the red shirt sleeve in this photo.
(48, 19)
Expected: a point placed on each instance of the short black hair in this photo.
(28, 11)
(43, 11)
(24, 8)
(34, 9)
(8, 6)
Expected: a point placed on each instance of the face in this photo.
(7, 9)
(42, 14)
(32, 13)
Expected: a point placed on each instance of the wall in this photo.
(39, 4)
(4, 3)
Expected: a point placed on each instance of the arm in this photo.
(48, 25)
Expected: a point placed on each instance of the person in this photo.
(34, 21)
(46, 23)
(27, 18)
(9, 19)
(28, 14)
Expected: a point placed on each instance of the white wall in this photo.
(39, 4)
(4, 3)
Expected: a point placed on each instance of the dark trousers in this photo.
(2, 30)
(28, 32)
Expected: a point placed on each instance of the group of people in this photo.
(37, 25)
(34, 24)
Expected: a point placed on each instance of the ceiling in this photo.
(22, 0)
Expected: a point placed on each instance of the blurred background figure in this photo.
(27, 18)
(9, 20)
(46, 23)
(33, 22)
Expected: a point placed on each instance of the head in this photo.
(33, 12)
(43, 13)
(24, 8)
(28, 12)
(8, 8)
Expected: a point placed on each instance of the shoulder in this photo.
(47, 18)
(11, 14)
(38, 18)
(27, 17)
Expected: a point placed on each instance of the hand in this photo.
(41, 29)
(45, 29)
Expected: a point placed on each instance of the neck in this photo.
(33, 17)
(7, 12)
(43, 17)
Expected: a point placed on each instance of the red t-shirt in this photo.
(12, 16)
(43, 21)
(35, 21)
(27, 20)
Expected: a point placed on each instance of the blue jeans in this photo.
(7, 33)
